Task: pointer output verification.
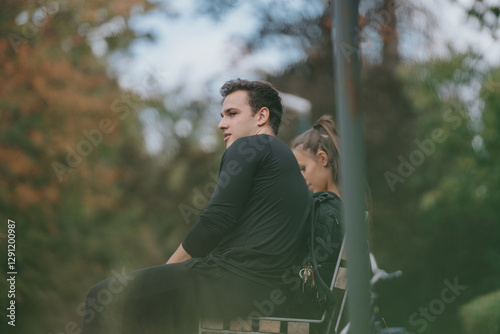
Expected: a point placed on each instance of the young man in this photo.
(233, 260)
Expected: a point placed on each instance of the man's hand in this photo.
(180, 255)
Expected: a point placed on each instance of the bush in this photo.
(482, 315)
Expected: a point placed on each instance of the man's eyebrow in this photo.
(225, 111)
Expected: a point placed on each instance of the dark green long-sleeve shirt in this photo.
(256, 220)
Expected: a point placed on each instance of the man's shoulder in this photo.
(255, 140)
(255, 145)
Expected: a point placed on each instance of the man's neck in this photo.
(266, 130)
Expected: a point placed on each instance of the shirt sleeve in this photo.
(238, 168)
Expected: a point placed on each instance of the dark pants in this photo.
(170, 299)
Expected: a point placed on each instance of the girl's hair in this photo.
(322, 136)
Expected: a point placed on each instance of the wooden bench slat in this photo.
(269, 326)
(298, 328)
(341, 281)
(242, 325)
(265, 326)
(212, 323)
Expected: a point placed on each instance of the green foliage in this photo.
(120, 207)
(86, 197)
(481, 314)
(450, 229)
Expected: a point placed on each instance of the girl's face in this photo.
(315, 170)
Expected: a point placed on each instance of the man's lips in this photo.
(226, 136)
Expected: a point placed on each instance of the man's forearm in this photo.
(180, 255)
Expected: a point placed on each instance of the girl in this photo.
(317, 153)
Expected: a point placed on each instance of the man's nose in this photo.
(222, 124)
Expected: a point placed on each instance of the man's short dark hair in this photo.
(260, 94)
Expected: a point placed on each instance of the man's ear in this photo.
(323, 158)
(263, 116)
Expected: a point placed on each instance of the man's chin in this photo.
(229, 142)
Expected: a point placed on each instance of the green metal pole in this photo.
(345, 35)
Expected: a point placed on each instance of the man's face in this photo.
(238, 120)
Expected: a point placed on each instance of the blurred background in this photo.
(109, 147)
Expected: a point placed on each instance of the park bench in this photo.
(332, 317)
